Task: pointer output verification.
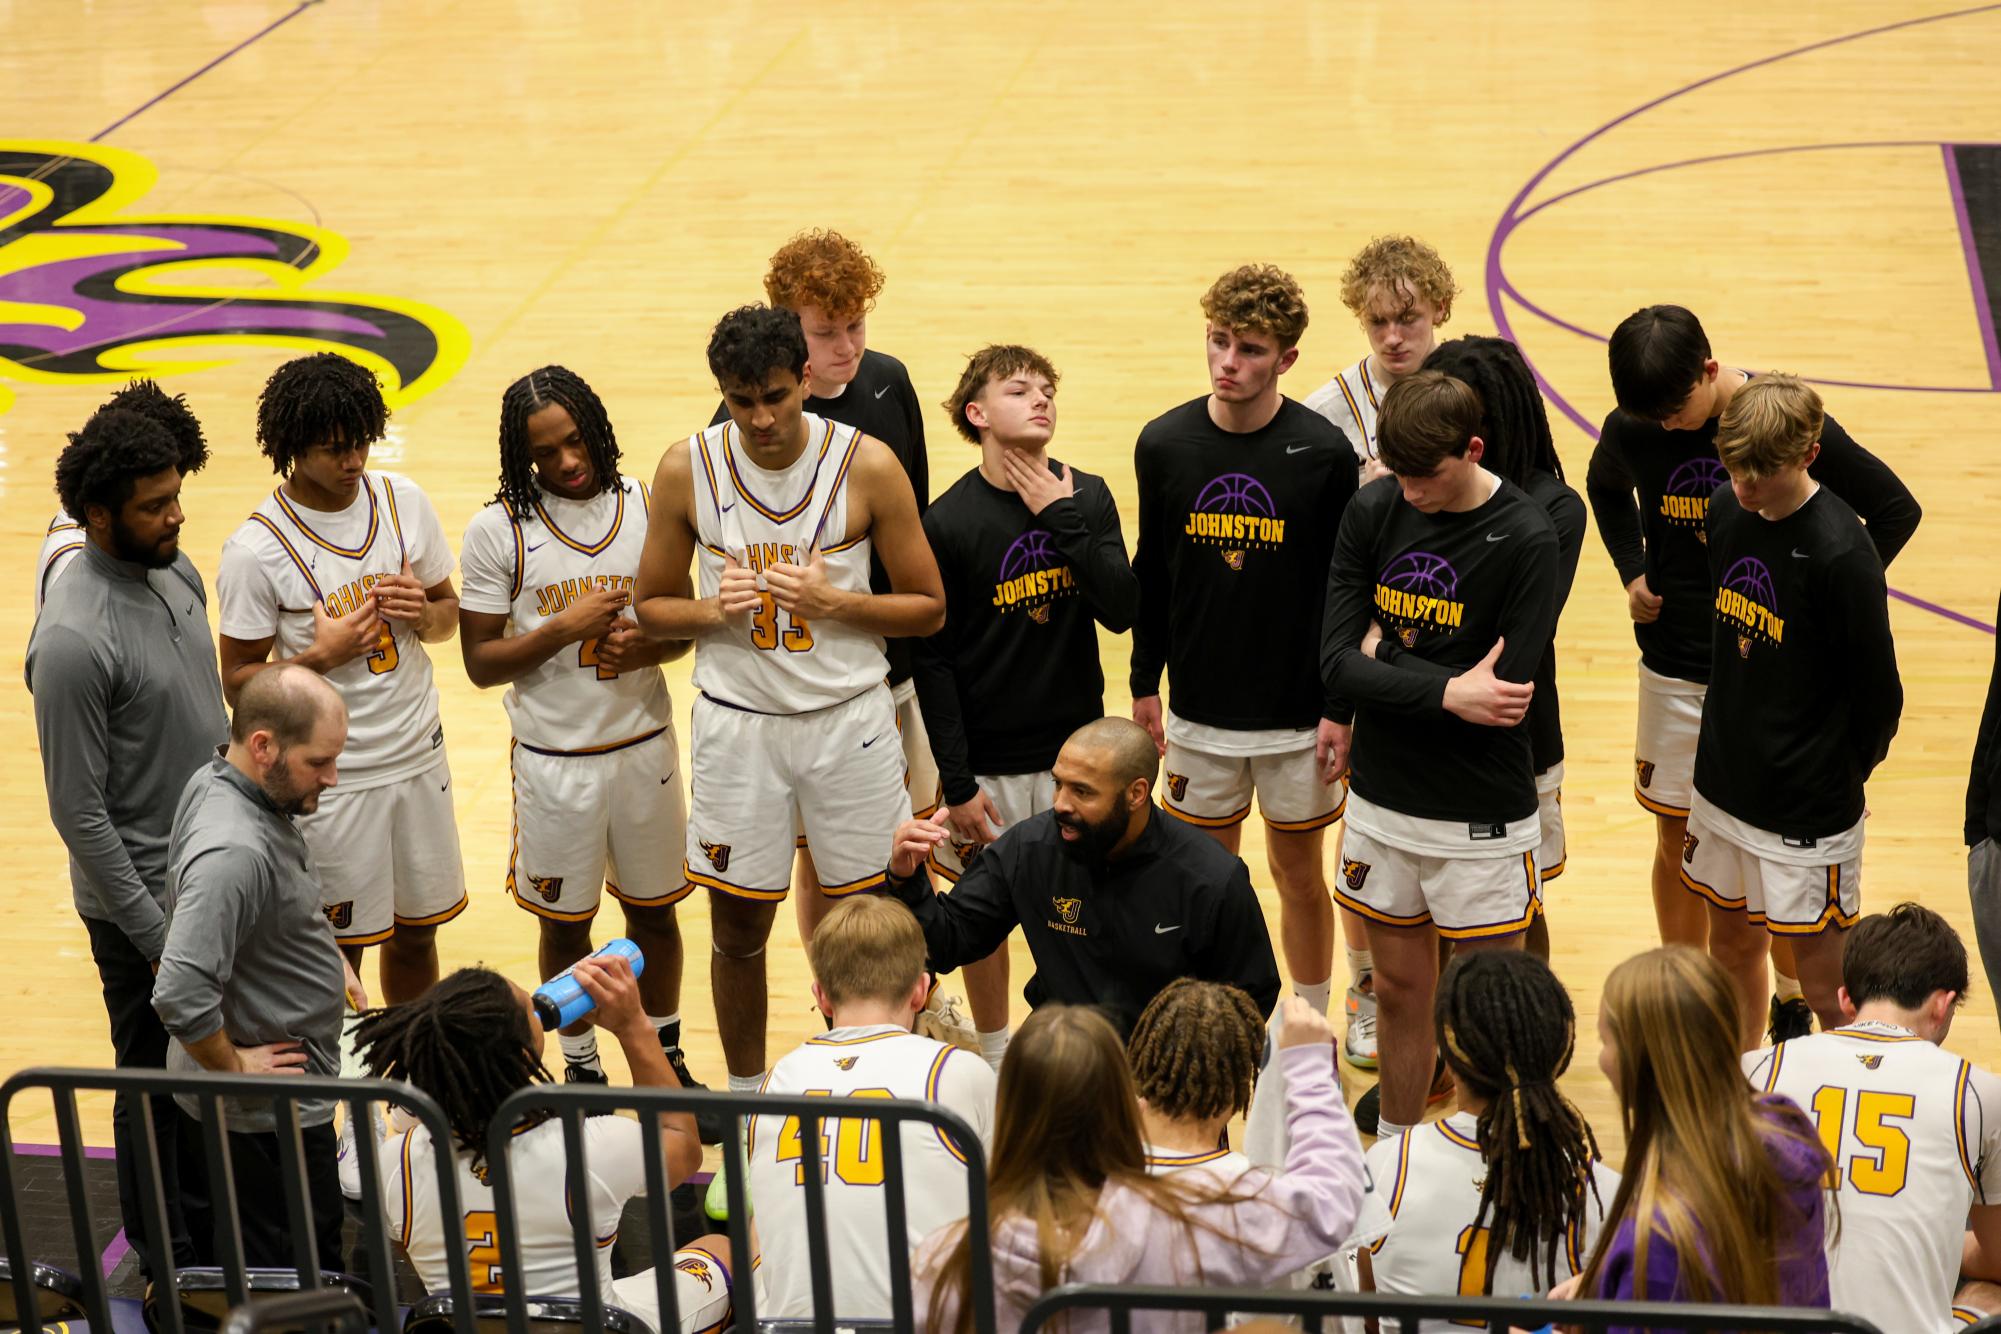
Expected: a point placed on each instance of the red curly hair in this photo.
(826, 270)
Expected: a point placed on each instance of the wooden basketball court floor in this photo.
(511, 185)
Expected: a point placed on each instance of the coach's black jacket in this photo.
(1112, 934)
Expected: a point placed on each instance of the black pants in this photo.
(260, 1198)
(138, 1041)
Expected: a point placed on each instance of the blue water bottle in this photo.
(562, 1000)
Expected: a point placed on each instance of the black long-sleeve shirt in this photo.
(1660, 535)
(1445, 586)
(880, 401)
(1804, 695)
(1235, 531)
(1983, 788)
(1111, 934)
(1015, 669)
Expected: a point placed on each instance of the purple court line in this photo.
(158, 98)
(115, 1252)
(1499, 288)
(1974, 272)
(55, 1151)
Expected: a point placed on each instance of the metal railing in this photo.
(284, 1096)
(569, 1104)
(292, 1310)
(1403, 1314)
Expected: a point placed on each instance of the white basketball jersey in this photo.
(286, 559)
(1351, 400)
(1225, 1163)
(530, 567)
(1916, 1137)
(873, 1062)
(1417, 1220)
(63, 544)
(765, 660)
(615, 1157)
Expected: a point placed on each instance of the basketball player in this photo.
(1915, 1132)
(781, 510)
(548, 570)
(1240, 495)
(1458, 568)
(831, 284)
(1031, 555)
(869, 980)
(1649, 484)
(348, 572)
(1774, 837)
(1195, 1054)
(66, 537)
(470, 1043)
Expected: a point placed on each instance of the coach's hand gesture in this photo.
(914, 841)
(1479, 696)
(339, 640)
(1034, 483)
(803, 590)
(590, 616)
(974, 820)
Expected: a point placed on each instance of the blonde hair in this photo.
(1393, 262)
(1258, 298)
(1771, 425)
(868, 948)
(826, 270)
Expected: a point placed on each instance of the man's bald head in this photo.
(287, 701)
(1128, 751)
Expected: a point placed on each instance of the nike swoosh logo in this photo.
(1297, 449)
(1160, 930)
(880, 392)
(1800, 555)
(871, 741)
(1498, 537)
(727, 508)
(537, 546)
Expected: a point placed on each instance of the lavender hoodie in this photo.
(1293, 1218)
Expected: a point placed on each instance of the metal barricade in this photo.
(1401, 1315)
(571, 1103)
(334, 1310)
(284, 1093)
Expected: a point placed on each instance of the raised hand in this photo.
(1034, 483)
(914, 841)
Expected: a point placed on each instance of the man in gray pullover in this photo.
(127, 705)
(251, 980)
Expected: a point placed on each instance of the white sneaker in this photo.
(942, 1020)
(350, 1159)
(1359, 1044)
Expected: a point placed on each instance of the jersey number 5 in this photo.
(384, 658)
(1882, 1168)
(857, 1161)
(764, 633)
(483, 1250)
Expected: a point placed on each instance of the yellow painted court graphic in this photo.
(93, 288)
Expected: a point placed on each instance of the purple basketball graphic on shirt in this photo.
(1422, 573)
(1029, 552)
(1751, 577)
(1697, 477)
(1236, 493)
(1032, 575)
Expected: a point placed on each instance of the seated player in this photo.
(1775, 827)
(781, 510)
(65, 539)
(1195, 1054)
(869, 980)
(1033, 562)
(348, 572)
(470, 1043)
(548, 570)
(1508, 1194)
(1915, 1131)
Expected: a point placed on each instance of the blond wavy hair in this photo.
(1770, 426)
(1392, 263)
(1258, 298)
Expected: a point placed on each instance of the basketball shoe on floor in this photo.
(1368, 1112)
(1789, 1019)
(574, 1073)
(942, 1020)
(1359, 1043)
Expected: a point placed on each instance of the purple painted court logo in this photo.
(1418, 592)
(95, 290)
(1032, 575)
(1234, 511)
(1685, 499)
(1747, 602)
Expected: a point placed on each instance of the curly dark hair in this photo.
(529, 395)
(753, 341)
(148, 399)
(318, 400)
(1196, 1048)
(103, 462)
(465, 1042)
(1513, 420)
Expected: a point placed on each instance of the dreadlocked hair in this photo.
(146, 398)
(466, 1042)
(1516, 424)
(1196, 1049)
(1506, 1029)
(323, 399)
(529, 395)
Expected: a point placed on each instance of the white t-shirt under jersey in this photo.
(879, 1062)
(63, 544)
(1351, 400)
(286, 558)
(530, 569)
(1918, 1132)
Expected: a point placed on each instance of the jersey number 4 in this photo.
(797, 636)
(857, 1158)
(587, 656)
(1880, 1169)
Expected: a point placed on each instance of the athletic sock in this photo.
(1316, 994)
(1786, 988)
(1361, 966)
(1386, 1129)
(669, 1028)
(745, 1083)
(581, 1050)
(993, 1046)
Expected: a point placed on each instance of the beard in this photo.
(290, 800)
(157, 555)
(1094, 842)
